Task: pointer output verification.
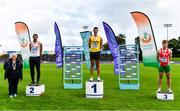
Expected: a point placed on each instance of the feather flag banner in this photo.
(58, 47)
(113, 45)
(24, 40)
(85, 37)
(147, 39)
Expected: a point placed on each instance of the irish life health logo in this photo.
(146, 38)
(24, 43)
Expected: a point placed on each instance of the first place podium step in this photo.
(35, 90)
(94, 89)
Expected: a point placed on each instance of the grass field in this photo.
(114, 99)
(176, 59)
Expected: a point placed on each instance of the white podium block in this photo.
(94, 89)
(165, 96)
(35, 90)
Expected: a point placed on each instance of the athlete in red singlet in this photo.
(164, 55)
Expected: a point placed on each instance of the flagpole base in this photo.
(73, 86)
(124, 86)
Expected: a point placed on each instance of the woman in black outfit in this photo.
(13, 72)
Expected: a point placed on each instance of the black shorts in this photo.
(95, 55)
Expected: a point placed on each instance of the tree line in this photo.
(173, 44)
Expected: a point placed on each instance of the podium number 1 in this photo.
(31, 90)
(95, 88)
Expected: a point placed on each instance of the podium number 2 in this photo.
(95, 88)
(31, 90)
(165, 96)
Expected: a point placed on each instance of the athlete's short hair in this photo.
(95, 28)
(35, 35)
(164, 41)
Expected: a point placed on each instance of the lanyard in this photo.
(95, 38)
(14, 65)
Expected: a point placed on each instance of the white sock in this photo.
(91, 78)
(99, 78)
(159, 89)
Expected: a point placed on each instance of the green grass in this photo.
(176, 59)
(114, 99)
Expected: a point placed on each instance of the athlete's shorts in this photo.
(165, 69)
(95, 55)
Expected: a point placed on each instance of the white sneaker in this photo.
(11, 96)
(91, 79)
(15, 95)
(159, 90)
(170, 91)
(99, 79)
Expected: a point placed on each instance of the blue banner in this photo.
(58, 47)
(113, 45)
(85, 37)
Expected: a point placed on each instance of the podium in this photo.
(35, 90)
(94, 89)
(165, 96)
(128, 59)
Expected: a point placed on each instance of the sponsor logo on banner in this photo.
(146, 38)
(24, 43)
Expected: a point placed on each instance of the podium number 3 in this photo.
(95, 88)
(165, 96)
(31, 90)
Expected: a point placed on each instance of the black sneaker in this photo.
(37, 83)
(32, 84)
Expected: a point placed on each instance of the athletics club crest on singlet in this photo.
(94, 44)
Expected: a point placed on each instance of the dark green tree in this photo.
(137, 41)
(121, 39)
(174, 45)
